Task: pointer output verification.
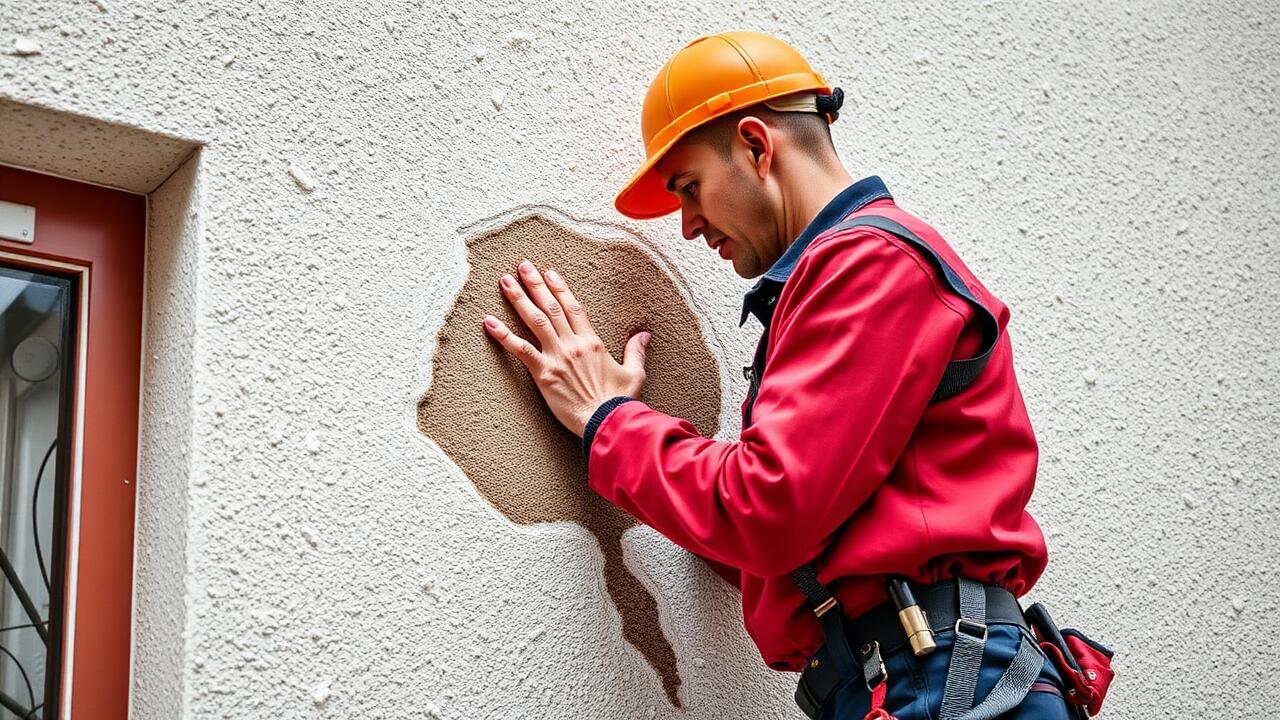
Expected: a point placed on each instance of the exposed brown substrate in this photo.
(485, 412)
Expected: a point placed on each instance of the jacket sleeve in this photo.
(861, 336)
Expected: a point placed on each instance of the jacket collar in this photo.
(760, 299)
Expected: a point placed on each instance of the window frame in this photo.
(98, 236)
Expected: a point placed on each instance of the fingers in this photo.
(516, 345)
(635, 352)
(543, 298)
(573, 311)
(533, 316)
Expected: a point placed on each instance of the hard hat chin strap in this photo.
(828, 105)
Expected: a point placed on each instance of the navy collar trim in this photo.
(759, 300)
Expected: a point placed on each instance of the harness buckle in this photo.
(972, 628)
(871, 658)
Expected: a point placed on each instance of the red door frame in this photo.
(102, 233)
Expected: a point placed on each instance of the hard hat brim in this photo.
(645, 197)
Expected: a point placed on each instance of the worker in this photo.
(884, 437)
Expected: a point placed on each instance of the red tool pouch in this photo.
(1088, 685)
(1084, 664)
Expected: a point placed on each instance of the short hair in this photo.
(809, 130)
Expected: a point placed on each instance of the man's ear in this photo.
(759, 141)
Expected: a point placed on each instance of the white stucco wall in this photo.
(1109, 171)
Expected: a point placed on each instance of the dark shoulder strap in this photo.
(958, 376)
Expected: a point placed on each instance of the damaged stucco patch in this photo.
(485, 412)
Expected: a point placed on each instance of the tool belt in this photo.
(880, 629)
(855, 647)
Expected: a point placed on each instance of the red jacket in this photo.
(845, 460)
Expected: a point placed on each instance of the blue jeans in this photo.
(915, 685)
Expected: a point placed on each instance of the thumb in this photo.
(633, 356)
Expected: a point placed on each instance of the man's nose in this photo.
(692, 224)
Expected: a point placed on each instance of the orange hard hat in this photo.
(711, 76)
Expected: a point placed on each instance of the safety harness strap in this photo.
(1012, 686)
(959, 701)
(959, 374)
(966, 655)
(806, 578)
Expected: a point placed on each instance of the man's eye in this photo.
(687, 189)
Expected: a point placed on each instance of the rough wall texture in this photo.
(1108, 170)
(164, 459)
(89, 150)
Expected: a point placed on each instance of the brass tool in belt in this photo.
(913, 619)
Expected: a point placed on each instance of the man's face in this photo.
(725, 202)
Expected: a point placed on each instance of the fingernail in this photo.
(647, 337)
(508, 281)
(526, 266)
(490, 322)
(553, 276)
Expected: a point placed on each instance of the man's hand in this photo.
(573, 370)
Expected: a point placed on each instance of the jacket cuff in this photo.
(598, 417)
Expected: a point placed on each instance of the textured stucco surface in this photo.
(90, 150)
(164, 457)
(1108, 170)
